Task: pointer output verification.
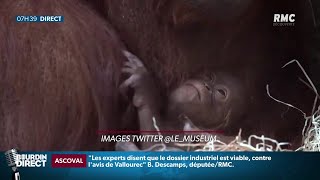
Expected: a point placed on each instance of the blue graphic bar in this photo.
(44, 18)
(162, 165)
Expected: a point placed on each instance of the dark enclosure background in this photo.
(315, 50)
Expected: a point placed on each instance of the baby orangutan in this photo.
(215, 104)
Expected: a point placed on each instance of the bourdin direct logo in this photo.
(284, 19)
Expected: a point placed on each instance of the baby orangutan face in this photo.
(208, 104)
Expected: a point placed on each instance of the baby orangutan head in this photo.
(209, 103)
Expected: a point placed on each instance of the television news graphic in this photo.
(24, 18)
(284, 19)
(69, 160)
(11, 157)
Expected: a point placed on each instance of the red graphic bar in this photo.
(102, 132)
(68, 160)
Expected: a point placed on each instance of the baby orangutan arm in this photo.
(146, 96)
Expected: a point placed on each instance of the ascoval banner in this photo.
(161, 165)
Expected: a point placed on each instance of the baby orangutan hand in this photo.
(140, 80)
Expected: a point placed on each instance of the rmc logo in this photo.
(284, 19)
